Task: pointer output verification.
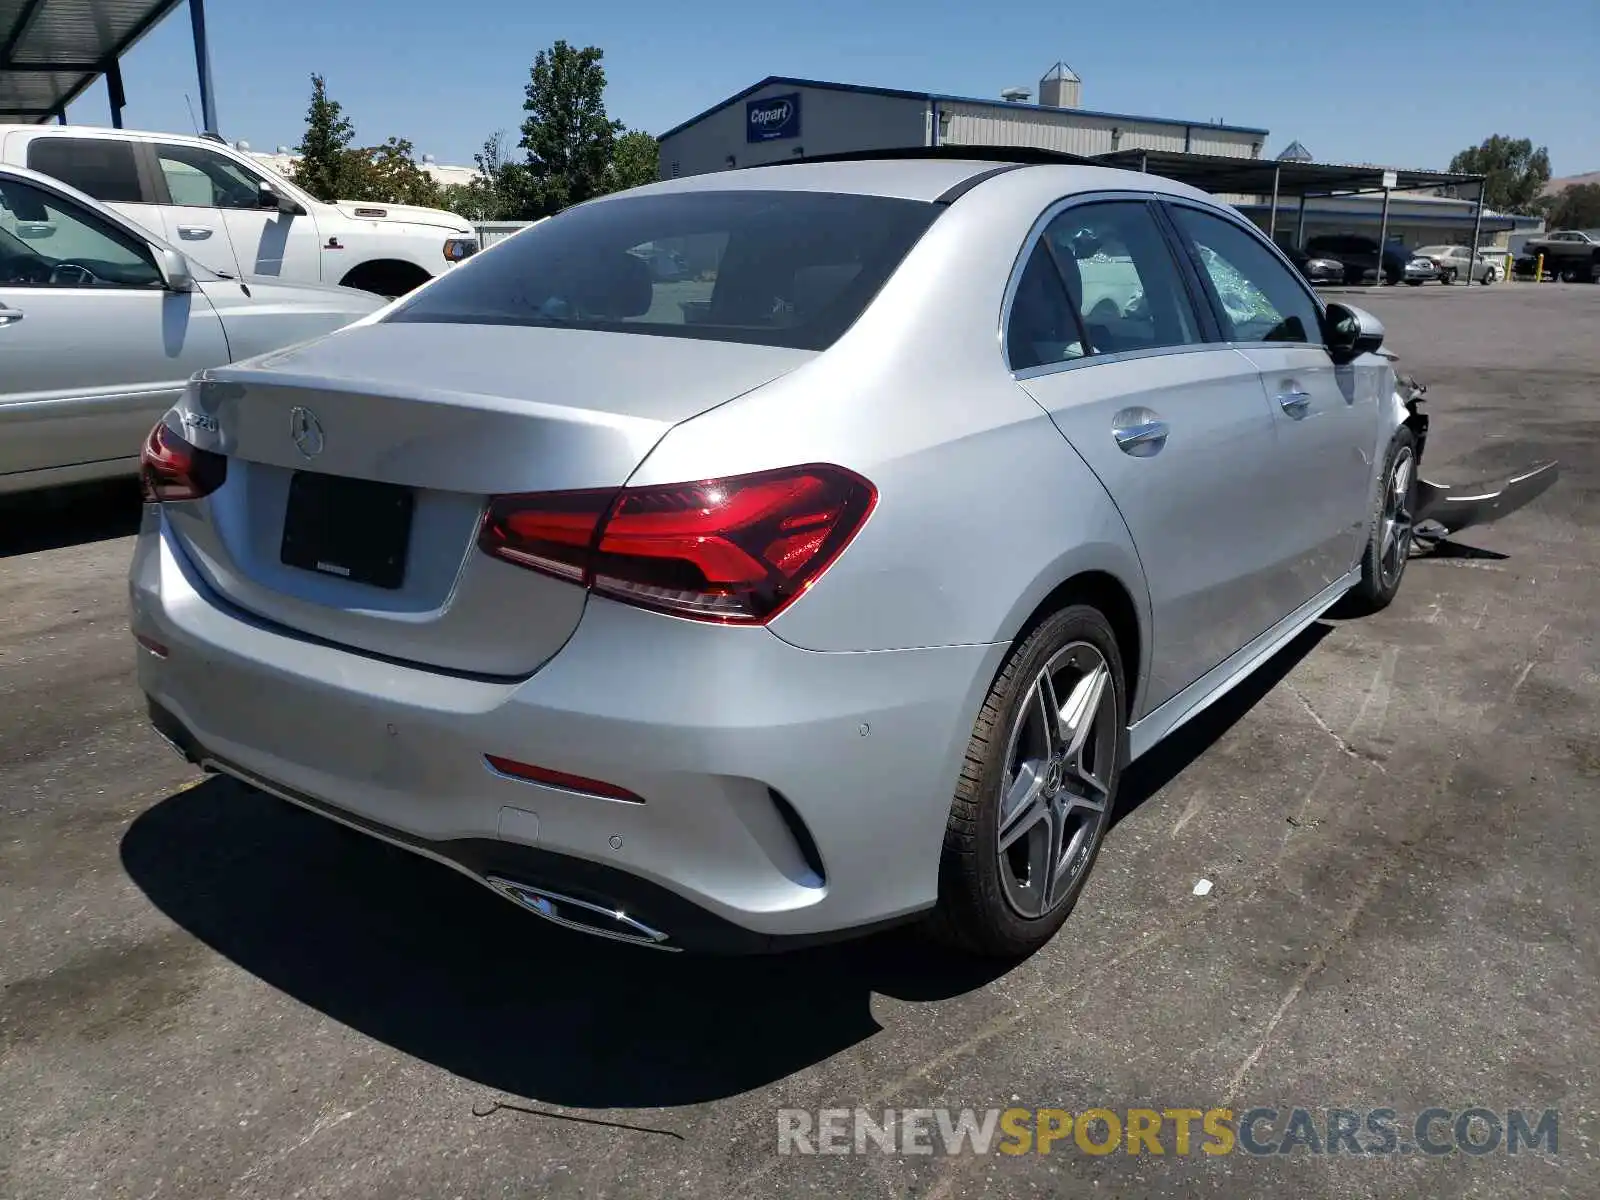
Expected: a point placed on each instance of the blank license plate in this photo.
(352, 528)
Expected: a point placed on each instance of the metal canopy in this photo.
(51, 51)
(1261, 176)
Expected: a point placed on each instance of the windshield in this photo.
(790, 269)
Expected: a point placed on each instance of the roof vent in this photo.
(1016, 95)
(1061, 87)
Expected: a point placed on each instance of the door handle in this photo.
(1141, 438)
(9, 316)
(1295, 403)
(194, 232)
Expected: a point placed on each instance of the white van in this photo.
(228, 211)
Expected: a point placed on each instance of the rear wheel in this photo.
(1035, 794)
(1391, 531)
(1492, 275)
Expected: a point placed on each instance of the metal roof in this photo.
(1259, 176)
(52, 50)
(940, 97)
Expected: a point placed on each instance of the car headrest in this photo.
(616, 286)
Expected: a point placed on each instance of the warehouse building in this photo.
(781, 118)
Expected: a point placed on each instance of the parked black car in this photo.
(1360, 256)
(1317, 268)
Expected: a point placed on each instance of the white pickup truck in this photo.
(229, 212)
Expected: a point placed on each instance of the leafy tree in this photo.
(567, 135)
(1516, 172)
(635, 161)
(389, 173)
(324, 148)
(1575, 207)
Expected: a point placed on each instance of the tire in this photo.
(1007, 903)
(1568, 275)
(386, 278)
(1491, 276)
(1383, 564)
(1447, 276)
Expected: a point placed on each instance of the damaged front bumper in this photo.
(1443, 509)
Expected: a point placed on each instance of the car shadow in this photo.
(1448, 549)
(417, 956)
(56, 518)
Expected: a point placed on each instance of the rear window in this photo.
(790, 269)
(99, 167)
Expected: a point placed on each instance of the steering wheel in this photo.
(67, 273)
(25, 268)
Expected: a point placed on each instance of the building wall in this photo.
(831, 122)
(1071, 132)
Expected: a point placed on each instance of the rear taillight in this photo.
(171, 469)
(737, 549)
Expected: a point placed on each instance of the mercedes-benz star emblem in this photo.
(306, 431)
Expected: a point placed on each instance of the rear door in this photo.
(1104, 331)
(66, 396)
(111, 170)
(1325, 417)
(226, 193)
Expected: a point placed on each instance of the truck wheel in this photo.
(387, 278)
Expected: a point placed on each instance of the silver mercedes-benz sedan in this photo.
(827, 581)
(102, 325)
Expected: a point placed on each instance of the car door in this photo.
(93, 347)
(193, 208)
(1104, 332)
(1324, 417)
(264, 241)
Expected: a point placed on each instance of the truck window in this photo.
(101, 167)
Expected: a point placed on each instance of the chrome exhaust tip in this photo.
(580, 915)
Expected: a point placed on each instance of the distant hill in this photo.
(1566, 181)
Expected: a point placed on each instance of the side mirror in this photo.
(269, 198)
(174, 268)
(1350, 332)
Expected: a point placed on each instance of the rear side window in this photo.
(1122, 277)
(788, 269)
(101, 167)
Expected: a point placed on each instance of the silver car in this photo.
(830, 582)
(101, 326)
(1453, 263)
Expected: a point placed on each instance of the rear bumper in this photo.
(790, 795)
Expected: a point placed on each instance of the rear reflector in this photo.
(738, 549)
(171, 469)
(560, 779)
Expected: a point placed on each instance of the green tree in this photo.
(635, 161)
(389, 173)
(1516, 172)
(324, 148)
(1575, 207)
(567, 135)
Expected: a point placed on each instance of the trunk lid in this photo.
(446, 416)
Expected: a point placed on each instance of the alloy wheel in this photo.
(1397, 521)
(1055, 798)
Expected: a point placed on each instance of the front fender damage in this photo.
(1443, 509)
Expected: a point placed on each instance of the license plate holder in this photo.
(355, 529)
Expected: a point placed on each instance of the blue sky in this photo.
(1432, 77)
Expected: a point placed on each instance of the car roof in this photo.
(927, 179)
(102, 131)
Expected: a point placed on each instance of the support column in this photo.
(202, 65)
(1300, 225)
(1272, 219)
(1383, 236)
(119, 99)
(1477, 230)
